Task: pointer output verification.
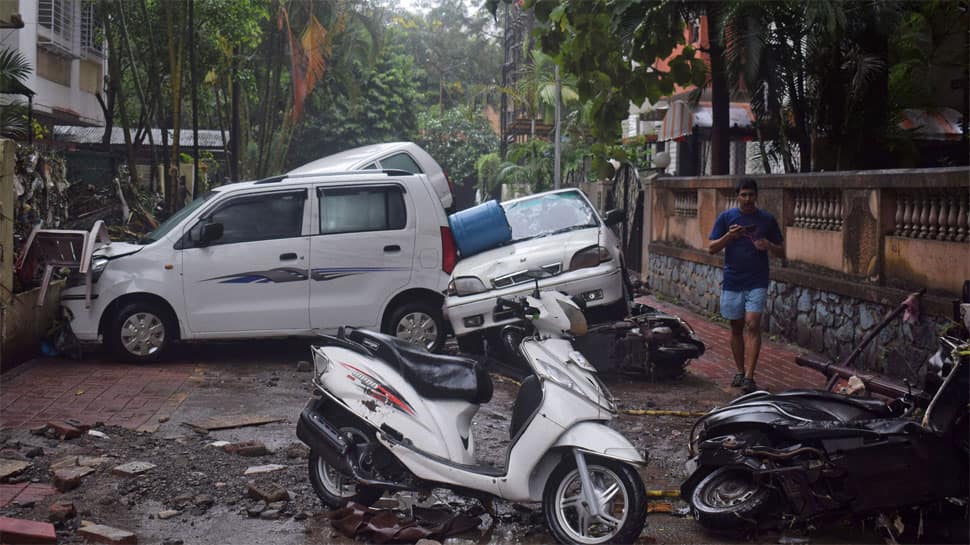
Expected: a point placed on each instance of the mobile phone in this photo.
(749, 228)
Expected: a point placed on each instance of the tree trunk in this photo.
(720, 95)
(175, 50)
(234, 131)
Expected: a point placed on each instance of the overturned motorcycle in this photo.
(388, 416)
(773, 460)
(649, 343)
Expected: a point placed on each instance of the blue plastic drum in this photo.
(480, 228)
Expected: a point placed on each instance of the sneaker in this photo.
(737, 380)
(748, 385)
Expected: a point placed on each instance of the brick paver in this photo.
(776, 369)
(89, 391)
(24, 492)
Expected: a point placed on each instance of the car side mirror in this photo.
(617, 215)
(210, 232)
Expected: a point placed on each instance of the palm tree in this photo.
(14, 70)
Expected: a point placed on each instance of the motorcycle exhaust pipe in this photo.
(326, 441)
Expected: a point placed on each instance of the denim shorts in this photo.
(735, 303)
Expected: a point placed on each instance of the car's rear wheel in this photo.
(418, 323)
(141, 331)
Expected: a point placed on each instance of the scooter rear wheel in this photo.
(336, 489)
(619, 492)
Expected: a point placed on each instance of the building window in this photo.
(91, 41)
(57, 20)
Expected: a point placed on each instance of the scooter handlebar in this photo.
(520, 307)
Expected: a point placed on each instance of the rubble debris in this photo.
(13, 530)
(297, 450)
(269, 514)
(64, 430)
(203, 501)
(9, 468)
(250, 449)
(224, 423)
(304, 366)
(393, 526)
(219, 444)
(106, 534)
(132, 468)
(98, 434)
(34, 452)
(168, 513)
(269, 493)
(268, 468)
(70, 478)
(61, 511)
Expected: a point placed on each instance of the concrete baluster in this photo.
(813, 210)
(799, 211)
(830, 211)
(839, 210)
(962, 218)
(946, 204)
(933, 222)
(923, 220)
(908, 216)
(900, 209)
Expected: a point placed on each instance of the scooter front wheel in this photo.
(620, 512)
(336, 489)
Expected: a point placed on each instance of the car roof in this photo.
(353, 159)
(283, 180)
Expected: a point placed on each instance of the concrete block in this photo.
(61, 511)
(106, 534)
(266, 492)
(64, 430)
(132, 468)
(9, 468)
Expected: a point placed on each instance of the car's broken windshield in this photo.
(175, 219)
(549, 214)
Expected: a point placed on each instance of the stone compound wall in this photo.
(823, 322)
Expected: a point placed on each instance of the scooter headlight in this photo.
(321, 363)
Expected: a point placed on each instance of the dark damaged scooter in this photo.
(781, 460)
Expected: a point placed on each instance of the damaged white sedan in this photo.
(558, 231)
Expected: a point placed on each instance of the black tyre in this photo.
(336, 489)
(729, 498)
(141, 331)
(621, 495)
(419, 323)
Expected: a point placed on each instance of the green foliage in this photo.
(486, 169)
(456, 139)
(528, 164)
(365, 105)
(596, 40)
(14, 70)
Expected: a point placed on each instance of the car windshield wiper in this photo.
(567, 229)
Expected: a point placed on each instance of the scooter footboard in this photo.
(600, 440)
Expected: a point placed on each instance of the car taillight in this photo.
(449, 254)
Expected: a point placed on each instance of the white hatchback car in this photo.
(558, 231)
(291, 255)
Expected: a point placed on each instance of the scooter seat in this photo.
(842, 408)
(433, 376)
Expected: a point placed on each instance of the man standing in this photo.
(747, 234)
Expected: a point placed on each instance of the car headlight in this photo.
(465, 285)
(589, 257)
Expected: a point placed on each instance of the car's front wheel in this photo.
(141, 331)
(418, 323)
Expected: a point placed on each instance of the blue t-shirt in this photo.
(745, 266)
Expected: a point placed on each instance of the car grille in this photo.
(520, 277)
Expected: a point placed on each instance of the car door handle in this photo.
(392, 248)
(288, 256)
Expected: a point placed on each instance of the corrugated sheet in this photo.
(92, 135)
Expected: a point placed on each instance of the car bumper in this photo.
(83, 321)
(471, 313)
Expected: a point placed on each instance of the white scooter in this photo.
(387, 415)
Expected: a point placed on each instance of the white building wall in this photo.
(64, 102)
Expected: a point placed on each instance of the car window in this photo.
(177, 218)
(401, 161)
(548, 214)
(259, 217)
(370, 166)
(359, 209)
